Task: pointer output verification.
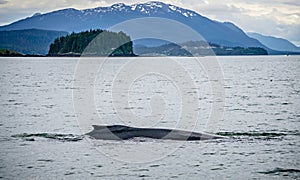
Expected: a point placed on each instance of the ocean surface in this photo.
(43, 118)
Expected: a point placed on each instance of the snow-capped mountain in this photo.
(70, 20)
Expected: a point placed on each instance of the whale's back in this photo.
(121, 132)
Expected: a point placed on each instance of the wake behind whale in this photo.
(121, 132)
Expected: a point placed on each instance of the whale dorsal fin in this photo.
(111, 127)
(98, 127)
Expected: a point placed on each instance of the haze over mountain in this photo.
(72, 20)
(275, 43)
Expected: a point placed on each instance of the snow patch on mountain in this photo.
(151, 7)
(184, 12)
(133, 7)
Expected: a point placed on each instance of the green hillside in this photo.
(7, 53)
(29, 41)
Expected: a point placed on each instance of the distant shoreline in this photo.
(44, 56)
(12, 53)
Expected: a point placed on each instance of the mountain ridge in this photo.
(29, 41)
(73, 20)
(275, 43)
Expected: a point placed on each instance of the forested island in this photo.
(92, 43)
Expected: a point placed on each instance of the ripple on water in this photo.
(257, 134)
(294, 173)
(60, 137)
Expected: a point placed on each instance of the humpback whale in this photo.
(121, 132)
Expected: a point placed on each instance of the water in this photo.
(41, 138)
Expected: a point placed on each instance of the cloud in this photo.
(281, 18)
(3, 1)
(293, 3)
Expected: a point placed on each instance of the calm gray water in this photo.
(40, 136)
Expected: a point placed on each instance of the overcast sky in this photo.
(280, 18)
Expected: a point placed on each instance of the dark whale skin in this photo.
(120, 132)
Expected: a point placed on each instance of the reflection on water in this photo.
(40, 137)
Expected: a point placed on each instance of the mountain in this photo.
(73, 20)
(29, 41)
(275, 43)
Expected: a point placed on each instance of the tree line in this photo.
(92, 43)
